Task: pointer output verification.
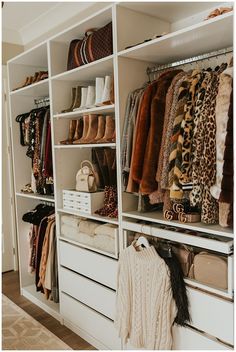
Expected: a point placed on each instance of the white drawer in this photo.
(96, 296)
(188, 339)
(93, 265)
(212, 315)
(83, 201)
(95, 324)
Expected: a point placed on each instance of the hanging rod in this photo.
(42, 101)
(205, 56)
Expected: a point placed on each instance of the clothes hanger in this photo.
(142, 242)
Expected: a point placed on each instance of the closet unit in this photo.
(88, 269)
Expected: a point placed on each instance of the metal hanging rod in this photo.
(42, 102)
(157, 68)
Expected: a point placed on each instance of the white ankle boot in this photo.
(90, 101)
(106, 96)
(99, 90)
(84, 93)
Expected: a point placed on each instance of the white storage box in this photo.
(83, 202)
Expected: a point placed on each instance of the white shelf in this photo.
(39, 299)
(105, 109)
(88, 72)
(207, 36)
(88, 216)
(40, 88)
(74, 146)
(94, 249)
(35, 196)
(157, 217)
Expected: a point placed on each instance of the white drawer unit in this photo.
(212, 315)
(90, 322)
(83, 202)
(94, 295)
(90, 264)
(201, 241)
(189, 339)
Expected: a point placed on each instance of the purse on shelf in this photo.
(87, 179)
(96, 44)
(210, 269)
(185, 256)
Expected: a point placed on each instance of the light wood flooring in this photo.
(11, 289)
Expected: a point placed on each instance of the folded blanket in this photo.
(69, 232)
(70, 220)
(83, 238)
(106, 230)
(104, 243)
(88, 227)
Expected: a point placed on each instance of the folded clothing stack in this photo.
(90, 233)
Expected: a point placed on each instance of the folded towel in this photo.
(88, 227)
(70, 220)
(106, 230)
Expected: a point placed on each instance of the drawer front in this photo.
(98, 326)
(96, 296)
(95, 266)
(212, 315)
(188, 339)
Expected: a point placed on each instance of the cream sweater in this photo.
(145, 309)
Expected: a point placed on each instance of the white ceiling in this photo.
(23, 22)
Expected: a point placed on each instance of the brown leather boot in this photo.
(77, 101)
(26, 83)
(101, 128)
(73, 93)
(72, 126)
(85, 130)
(109, 130)
(93, 129)
(78, 129)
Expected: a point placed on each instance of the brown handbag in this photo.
(96, 44)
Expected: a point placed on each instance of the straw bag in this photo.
(87, 179)
(96, 44)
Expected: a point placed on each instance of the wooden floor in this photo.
(11, 289)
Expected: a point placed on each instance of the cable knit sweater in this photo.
(145, 309)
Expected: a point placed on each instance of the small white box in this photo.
(83, 202)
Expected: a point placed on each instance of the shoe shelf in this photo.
(88, 72)
(105, 109)
(193, 40)
(94, 145)
(36, 196)
(157, 217)
(88, 216)
(37, 89)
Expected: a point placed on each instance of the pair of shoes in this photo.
(76, 99)
(218, 12)
(97, 129)
(38, 76)
(110, 208)
(27, 188)
(75, 131)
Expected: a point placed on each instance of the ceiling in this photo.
(23, 22)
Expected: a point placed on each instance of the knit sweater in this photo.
(145, 309)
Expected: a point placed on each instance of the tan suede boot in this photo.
(93, 129)
(78, 98)
(101, 128)
(72, 126)
(109, 130)
(78, 129)
(85, 130)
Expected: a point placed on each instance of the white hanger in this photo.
(142, 241)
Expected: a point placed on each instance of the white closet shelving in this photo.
(87, 276)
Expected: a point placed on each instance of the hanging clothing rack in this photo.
(205, 56)
(42, 102)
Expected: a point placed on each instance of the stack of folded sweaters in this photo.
(90, 233)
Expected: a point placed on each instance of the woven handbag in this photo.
(96, 44)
